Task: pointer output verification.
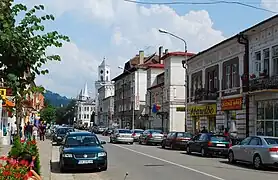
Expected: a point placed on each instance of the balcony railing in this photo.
(203, 94)
(263, 83)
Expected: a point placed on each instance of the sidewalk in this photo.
(45, 149)
(4, 150)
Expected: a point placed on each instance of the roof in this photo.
(159, 66)
(81, 133)
(188, 54)
(235, 36)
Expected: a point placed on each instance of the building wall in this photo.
(84, 112)
(152, 76)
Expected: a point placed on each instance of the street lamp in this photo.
(133, 104)
(184, 65)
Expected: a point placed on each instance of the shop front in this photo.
(267, 118)
(231, 108)
(203, 116)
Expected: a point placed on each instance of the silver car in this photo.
(121, 136)
(136, 133)
(258, 150)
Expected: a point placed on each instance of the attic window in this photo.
(101, 72)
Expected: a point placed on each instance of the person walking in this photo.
(29, 130)
(42, 129)
(35, 132)
(13, 133)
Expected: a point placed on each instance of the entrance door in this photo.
(196, 125)
(212, 124)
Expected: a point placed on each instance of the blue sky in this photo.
(117, 30)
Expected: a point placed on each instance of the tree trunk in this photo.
(19, 114)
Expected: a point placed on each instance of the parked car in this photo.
(136, 133)
(257, 150)
(176, 140)
(151, 136)
(107, 132)
(121, 136)
(209, 144)
(61, 133)
(101, 129)
(82, 150)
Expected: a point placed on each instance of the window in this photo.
(228, 76)
(255, 142)
(234, 75)
(266, 61)
(275, 59)
(245, 141)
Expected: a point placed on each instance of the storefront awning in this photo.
(8, 103)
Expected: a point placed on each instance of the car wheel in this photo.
(231, 157)
(188, 150)
(257, 162)
(139, 142)
(110, 140)
(131, 143)
(163, 145)
(172, 146)
(203, 152)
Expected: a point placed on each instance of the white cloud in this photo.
(271, 5)
(132, 28)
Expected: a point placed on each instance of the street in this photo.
(152, 162)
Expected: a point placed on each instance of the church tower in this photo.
(104, 72)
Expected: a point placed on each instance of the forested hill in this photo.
(56, 99)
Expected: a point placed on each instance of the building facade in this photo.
(85, 108)
(130, 91)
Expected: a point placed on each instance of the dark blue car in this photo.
(82, 150)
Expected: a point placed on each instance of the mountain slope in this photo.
(55, 99)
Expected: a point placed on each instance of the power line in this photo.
(200, 3)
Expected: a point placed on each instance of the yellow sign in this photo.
(201, 110)
(3, 93)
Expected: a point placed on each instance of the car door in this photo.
(169, 138)
(193, 143)
(253, 146)
(200, 142)
(240, 150)
(114, 135)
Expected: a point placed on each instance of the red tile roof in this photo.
(177, 54)
(155, 66)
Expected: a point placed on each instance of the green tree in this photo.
(23, 45)
(48, 114)
(66, 114)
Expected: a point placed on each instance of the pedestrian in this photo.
(204, 130)
(13, 131)
(35, 132)
(42, 129)
(29, 130)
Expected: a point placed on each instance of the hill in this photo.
(56, 99)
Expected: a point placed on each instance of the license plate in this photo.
(221, 145)
(85, 162)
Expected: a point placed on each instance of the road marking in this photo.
(170, 162)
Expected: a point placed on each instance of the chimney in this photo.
(141, 57)
(166, 51)
(160, 51)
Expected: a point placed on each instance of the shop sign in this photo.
(231, 104)
(200, 110)
(3, 93)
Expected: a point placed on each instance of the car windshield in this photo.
(126, 131)
(219, 138)
(82, 141)
(271, 141)
(138, 131)
(156, 132)
(184, 134)
(64, 130)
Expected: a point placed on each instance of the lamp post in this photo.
(133, 103)
(184, 65)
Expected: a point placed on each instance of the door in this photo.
(240, 150)
(169, 139)
(201, 142)
(253, 146)
(193, 145)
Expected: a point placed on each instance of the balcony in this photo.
(203, 94)
(263, 83)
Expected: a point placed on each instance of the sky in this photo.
(117, 30)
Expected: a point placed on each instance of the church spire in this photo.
(103, 64)
(85, 91)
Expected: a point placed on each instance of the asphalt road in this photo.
(152, 162)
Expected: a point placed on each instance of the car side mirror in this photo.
(102, 142)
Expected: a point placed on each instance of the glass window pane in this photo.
(260, 114)
(276, 129)
(269, 128)
(276, 109)
(269, 110)
(260, 128)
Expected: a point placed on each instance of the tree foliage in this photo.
(66, 114)
(23, 46)
(48, 114)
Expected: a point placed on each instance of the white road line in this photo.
(170, 162)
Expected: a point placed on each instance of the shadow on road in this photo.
(56, 170)
(270, 170)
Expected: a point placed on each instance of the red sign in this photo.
(231, 104)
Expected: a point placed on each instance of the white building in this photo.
(105, 97)
(86, 108)
(130, 91)
(104, 77)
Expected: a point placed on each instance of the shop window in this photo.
(260, 110)
(260, 128)
(269, 110)
(269, 128)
